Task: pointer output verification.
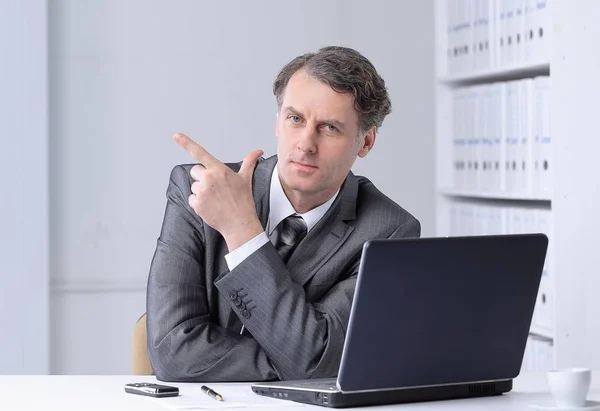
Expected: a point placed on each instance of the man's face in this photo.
(317, 131)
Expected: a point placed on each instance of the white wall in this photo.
(575, 89)
(398, 37)
(24, 270)
(126, 75)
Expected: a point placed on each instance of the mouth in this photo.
(304, 164)
(303, 167)
(301, 164)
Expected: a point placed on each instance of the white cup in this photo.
(569, 387)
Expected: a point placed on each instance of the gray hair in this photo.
(346, 71)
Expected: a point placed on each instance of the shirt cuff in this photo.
(238, 255)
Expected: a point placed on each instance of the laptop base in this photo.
(338, 399)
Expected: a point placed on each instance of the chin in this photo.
(301, 184)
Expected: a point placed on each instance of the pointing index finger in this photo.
(197, 151)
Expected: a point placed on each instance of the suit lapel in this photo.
(327, 236)
(261, 184)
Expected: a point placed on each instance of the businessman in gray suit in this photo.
(255, 267)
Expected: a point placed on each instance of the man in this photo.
(239, 292)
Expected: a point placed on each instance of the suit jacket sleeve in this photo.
(302, 339)
(183, 343)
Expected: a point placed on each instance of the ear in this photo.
(367, 142)
(277, 124)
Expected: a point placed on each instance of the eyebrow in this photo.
(291, 110)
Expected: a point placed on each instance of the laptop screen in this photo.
(435, 311)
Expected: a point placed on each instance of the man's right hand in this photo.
(222, 197)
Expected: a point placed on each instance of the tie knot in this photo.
(291, 231)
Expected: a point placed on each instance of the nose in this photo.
(307, 140)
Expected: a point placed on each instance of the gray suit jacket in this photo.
(296, 315)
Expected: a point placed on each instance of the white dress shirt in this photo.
(279, 209)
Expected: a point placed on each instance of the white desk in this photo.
(78, 392)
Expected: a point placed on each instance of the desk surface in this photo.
(107, 393)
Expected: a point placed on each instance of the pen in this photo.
(211, 393)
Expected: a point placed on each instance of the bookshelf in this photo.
(484, 96)
(564, 202)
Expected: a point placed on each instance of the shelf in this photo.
(450, 192)
(513, 72)
(540, 333)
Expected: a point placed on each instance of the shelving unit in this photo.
(569, 336)
(469, 208)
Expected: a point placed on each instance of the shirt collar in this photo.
(280, 207)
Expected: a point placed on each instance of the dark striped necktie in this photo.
(290, 232)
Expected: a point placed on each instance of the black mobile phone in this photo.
(151, 390)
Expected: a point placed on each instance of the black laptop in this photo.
(432, 319)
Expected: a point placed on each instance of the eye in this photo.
(330, 128)
(294, 119)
